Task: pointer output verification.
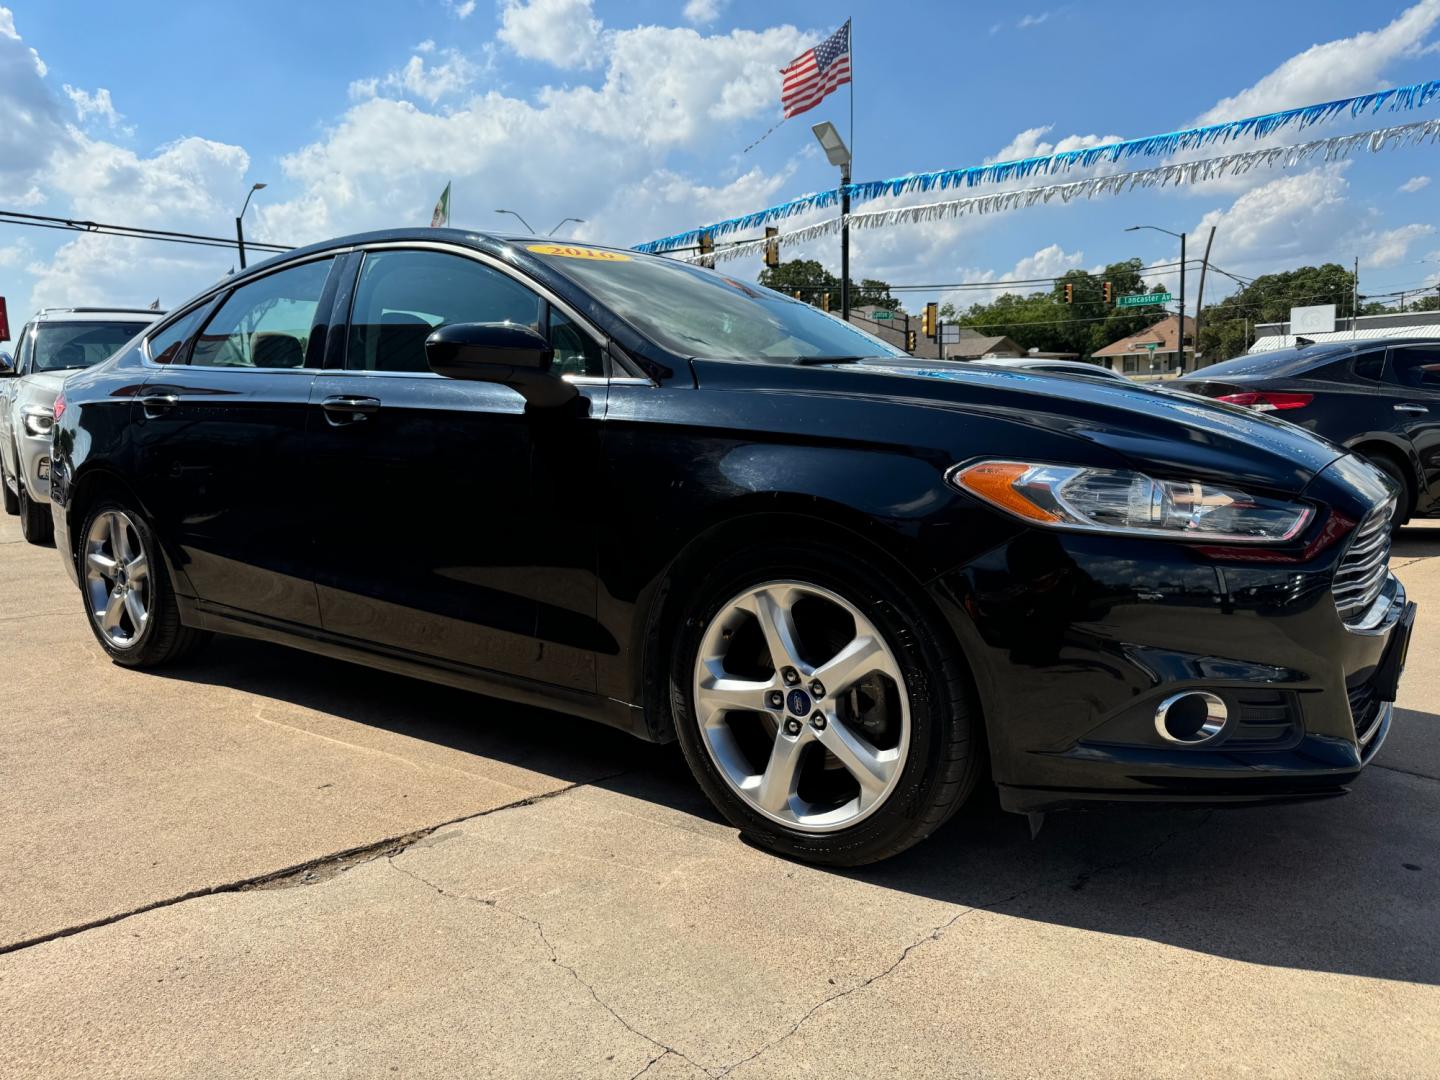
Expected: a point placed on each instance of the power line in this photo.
(131, 232)
(952, 286)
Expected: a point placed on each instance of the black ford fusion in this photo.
(853, 585)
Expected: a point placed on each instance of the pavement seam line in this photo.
(355, 856)
(1405, 772)
(937, 932)
(495, 906)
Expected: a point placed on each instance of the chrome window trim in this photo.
(224, 288)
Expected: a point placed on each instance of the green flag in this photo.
(440, 219)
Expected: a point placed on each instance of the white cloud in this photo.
(1333, 69)
(1283, 221)
(13, 254)
(1027, 21)
(1031, 143)
(564, 33)
(703, 12)
(33, 124)
(1390, 246)
(97, 105)
(423, 78)
(1414, 184)
(461, 10)
(1048, 262)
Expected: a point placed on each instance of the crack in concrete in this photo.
(554, 959)
(310, 872)
(1404, 772)
(937, 932)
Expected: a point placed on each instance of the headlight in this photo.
(1129, 503)
(37, 421)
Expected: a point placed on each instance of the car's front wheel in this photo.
(127, 592)
(35, 523)
(11, 498)
(821, 706)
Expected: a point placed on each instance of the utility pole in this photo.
(1182, 304)
(1354, 301)
(1200, 294)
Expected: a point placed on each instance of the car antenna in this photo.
(1301, 342)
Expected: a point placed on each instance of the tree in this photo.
(811, 281)
(1225, 328)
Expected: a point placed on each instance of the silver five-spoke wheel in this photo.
(117, 579)
(802, 706)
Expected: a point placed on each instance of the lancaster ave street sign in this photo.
(1141, 301)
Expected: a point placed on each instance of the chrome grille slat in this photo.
(1365, 566)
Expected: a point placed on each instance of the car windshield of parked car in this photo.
(701, 313)
(62, 346)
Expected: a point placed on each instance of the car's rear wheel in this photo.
(35, 523)
(128, 597)
(821, 707)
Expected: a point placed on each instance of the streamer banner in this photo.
(1335, 148)
(1399, 98)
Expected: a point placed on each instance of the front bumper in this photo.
(34, 464)
(1076, 640)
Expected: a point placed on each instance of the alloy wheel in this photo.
(118, 588)
(802, 706)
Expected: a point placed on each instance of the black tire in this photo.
(164, 640)
(945, 753)
(1392, 468)
(36, 525)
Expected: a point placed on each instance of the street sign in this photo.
(881, 314)
(950, 335)
(1319, 319)
(1152, 345)
(1143, 299)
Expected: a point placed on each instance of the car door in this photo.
(448, 524)
(8, 457)
(1412, 387)
(219, 433)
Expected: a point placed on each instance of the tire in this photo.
(36, 525)
(915, 737)
(156, 637)
(10, 498)
(1396, 473)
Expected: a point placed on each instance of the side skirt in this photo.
(608, 711)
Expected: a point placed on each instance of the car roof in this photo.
(1041, 362)
(97, 314)
(1299, 359)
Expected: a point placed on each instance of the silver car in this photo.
(55, 344)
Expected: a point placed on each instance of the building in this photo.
(1153, 353)
(890, 326)
(1401, 324)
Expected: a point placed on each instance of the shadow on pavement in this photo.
(1348, 885)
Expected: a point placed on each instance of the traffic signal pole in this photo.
(845, 242)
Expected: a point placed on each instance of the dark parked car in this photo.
(853, 585)
(1380, 399)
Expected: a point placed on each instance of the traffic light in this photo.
(1107, 291)
(825, 301)
(929, 319)
(1069, 292)
(910, 341)
(772, 247)
(707, 247)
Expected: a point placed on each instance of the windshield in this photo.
(60, 345)
(701, 313)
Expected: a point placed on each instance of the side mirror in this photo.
(7, 366)
(515, 356)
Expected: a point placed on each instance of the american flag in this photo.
(816, 72)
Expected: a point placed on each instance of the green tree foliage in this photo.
(1227, 328)
(1044, 321)
(811, 280)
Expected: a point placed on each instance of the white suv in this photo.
(55, 344)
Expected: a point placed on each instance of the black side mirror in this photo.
(7, 366)
(515, 356)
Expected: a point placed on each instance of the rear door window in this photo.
(266, 323)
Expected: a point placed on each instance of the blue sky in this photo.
(633, 117)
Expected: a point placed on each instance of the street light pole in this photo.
(1180, 329)
(240, 226)
(837, 153)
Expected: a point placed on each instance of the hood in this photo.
(42, 387)
(1168, 432)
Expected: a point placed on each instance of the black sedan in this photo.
(853, 585)
(1380, 399)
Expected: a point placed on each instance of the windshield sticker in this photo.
(568, 251)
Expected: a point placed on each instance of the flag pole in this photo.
(845, 184)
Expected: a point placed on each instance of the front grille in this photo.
(1365, 565)
(1264, 719)
(1365, 711)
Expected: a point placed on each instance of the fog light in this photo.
(43, 469)
(1191, 719)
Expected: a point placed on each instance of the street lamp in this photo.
(577, 220)
(839, 155)
(1180, 332)
(240, 228)
(522, 221)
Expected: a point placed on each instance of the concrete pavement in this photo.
(589, 916)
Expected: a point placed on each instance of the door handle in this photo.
(1411, 408)
(348, 409)
(154, 404)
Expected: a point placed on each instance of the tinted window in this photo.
(696, 312)
(404, 295)
(165, 347)
(1369, 366)
(1417, 368)
(265, 323)
(59, 346)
